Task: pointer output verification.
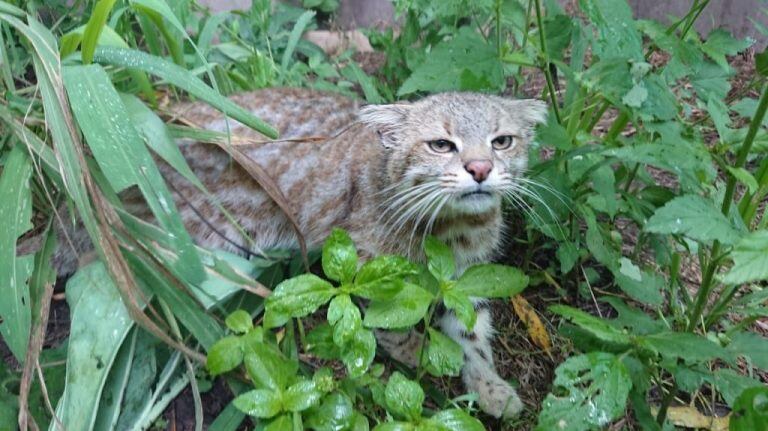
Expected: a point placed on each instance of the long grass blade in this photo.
(94, 27)
(183, 79)
(15, 213)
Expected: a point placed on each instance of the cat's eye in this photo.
(441, 146)
(503, 142)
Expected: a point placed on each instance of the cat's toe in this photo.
(499, 399)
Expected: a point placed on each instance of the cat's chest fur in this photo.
(340, 182)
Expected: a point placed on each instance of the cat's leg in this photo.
(496, 396)
(403, 346)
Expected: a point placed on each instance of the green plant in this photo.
(401, 295)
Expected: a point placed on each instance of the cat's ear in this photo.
(386, 120)
(531, 111)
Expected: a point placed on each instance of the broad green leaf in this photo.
(644, 286)
(239, 322)
(464, 62)
(404, 397)
(301, 396)
(283, 422)
(94, 27)
(750, 411)
(440, 260)
(720, 43)
(345, 318)
(750, 259)
(682, 345)
(116, 385)
(491, 281)
(711, 81)
(396, 426)
(695, 217)
(455, 420)
(444, 357)
(633, 319)
(407, 308)
(462, 306)
(261, 403)
(594, 325)
(123, 158)
(15, 213)
(300, 296)
(381, 278)
(752, 346)
(731, 384)
(225, 355)
(92, 348)
(339, 257)
(141, 381)
(268, 367)
(744, 177)
(319, 342)
(359, 352)
(183, 79)
(617, 36)
(589, 392)
(335, 412)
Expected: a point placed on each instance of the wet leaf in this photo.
(339, 257)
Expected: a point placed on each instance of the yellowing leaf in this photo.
(689, 417)
(536, 329)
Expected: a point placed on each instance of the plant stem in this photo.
(498, 28)
(545, 66)
(668, 398)
(714, 263)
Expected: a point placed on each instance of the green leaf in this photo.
(590, 392)
(15, 213)
(92, 347)
(460, 304)
(744, 177)
(444, 357)
(720, 43)
(594, 325)
(123, 157)
(358, 354)
(345, 318)
(617, 36)
(225, 355)
(267, 367)
(465, 62)
(440, 260)
(633, 319)
(382, 277)
(406, 309)
(293, 39)
(455, 420)
(695, 217)
(261, 403)
(711, 81)
(339, 257)
(492, 281)
(336, 412)
(94, 27)
(320, 342)
(301, 396)
(396, 426)
(643, 286)
(404, 397)
(750, 259)
(731, 384)
(300, 296)
(682, 345)
(283, 422)
(752, 346)
(183, 79)
(750, 411)
(239, 321)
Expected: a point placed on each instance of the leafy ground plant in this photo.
(401, 296)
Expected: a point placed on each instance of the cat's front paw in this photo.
(498, 399)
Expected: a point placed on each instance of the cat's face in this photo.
(455, 152)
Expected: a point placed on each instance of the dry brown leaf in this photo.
(689, 417)
(536, 329)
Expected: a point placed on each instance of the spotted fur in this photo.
(378, 179)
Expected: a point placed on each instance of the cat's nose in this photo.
(479, 169)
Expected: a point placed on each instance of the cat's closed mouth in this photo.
(475, 193)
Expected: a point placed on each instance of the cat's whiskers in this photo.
(429, 203)
(405, 208)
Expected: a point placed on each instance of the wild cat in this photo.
(393, 174)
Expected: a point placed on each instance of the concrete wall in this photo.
(732, 14)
